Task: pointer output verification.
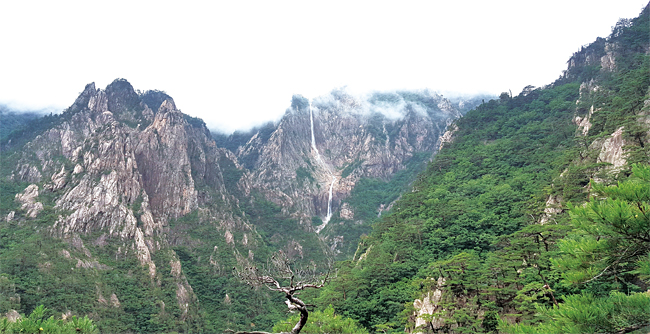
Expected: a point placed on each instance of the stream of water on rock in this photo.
(326, 167)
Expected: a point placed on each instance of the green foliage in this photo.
(299, 102)
(122, 98)
(322, 322)
(195, 122)
(607, 255)
(586, 313)
(19, 136)
(302, 175)
(611, 235)
(37, 323)
(468, 228)
(231, 174)
(37, 269)
(237, 139)
(207, 261)
(137, 204)
(350, 168)
(368, 194)
(366, 198)
(471, 219)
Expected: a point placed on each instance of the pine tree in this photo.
(608, 257)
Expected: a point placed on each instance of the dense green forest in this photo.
(471, 226)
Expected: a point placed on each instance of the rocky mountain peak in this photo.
(166, 106)
(84, 97)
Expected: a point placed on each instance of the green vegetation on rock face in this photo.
(25, 130)
(36, 269)
(470, 230)
(607, 257)
(478, 188)
(366, 199)
(154, 98)
(207, 263)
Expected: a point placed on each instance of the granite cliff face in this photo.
(353, 138)
(116, 172)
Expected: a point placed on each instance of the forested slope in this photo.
(486, 235)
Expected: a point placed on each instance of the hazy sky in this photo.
(237, 63)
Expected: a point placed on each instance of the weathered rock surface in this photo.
(134, 170)
(28, 201)
(426, 307)
(356, 138)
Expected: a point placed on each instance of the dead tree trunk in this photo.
(304, 314)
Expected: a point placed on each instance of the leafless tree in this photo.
(282, 274)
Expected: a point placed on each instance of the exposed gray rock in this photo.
(28, 200)
(59, 180)
(353, 138)
(427, 306)
(114, 301)
(12, 316)
(346, 211)
(448, 136)
(29, 173)
(608, 61)
(552, 208)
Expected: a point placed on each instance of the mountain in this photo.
(127, 210)
(532, 218)
(314, 158)
(103, 184)
(447, 214)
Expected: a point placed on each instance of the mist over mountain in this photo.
(444, 214)
(12, 119)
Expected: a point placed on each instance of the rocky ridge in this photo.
(118, 172)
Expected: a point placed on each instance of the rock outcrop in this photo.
(28, 201)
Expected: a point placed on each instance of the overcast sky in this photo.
(237, 63)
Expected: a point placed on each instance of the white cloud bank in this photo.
(237, 63)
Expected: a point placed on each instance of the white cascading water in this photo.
(322, 163)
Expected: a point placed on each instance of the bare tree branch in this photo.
(280, 270)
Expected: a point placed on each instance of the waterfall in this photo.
(313, 139)
(329, 172)
(329, 202)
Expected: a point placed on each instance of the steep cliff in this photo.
(108, 177)
(310, 163)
